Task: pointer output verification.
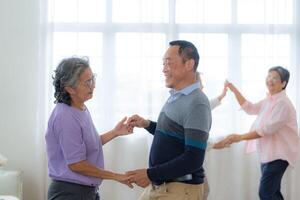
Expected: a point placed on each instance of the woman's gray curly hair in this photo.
(67, 74)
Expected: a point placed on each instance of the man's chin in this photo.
(168, 85)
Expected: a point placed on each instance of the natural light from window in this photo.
(125, 41)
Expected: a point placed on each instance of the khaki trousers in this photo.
(173, 191)
(206, 188)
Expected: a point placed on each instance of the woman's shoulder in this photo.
(62, 108)
(285, 104)
(62, 111)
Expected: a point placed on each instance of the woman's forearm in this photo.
(87, 169)
(239, 97)
(250, 136)
(108, 136)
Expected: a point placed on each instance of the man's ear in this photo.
(70, 90)
(190, 64)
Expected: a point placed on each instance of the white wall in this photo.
(18, 89)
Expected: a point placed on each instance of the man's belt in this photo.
(184, 178)
(187, 177)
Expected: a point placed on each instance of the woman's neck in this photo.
(275, 92)
(78, 105)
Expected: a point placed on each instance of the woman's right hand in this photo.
(123, 128)
(124, 179)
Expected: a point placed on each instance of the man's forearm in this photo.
(186, 163)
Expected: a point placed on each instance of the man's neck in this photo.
(185, 83)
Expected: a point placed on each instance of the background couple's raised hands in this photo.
(229, 85)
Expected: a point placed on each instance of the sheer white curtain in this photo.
(257, 42)
(125, 41)
(22, 73)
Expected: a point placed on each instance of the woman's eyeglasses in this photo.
(273, 78)
(90, 82)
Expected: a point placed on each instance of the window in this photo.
(140, 11)
(138, 70)
(89, 11)
(203, 11)
(126, 39)
(265, 12)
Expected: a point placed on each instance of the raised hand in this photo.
(224, 92)
(229, 85)
(123, 128)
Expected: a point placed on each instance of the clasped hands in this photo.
(126, 125)
(226, 142)
(138, 177)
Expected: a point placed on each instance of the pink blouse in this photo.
(276, 123)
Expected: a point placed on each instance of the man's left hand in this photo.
(139, 177)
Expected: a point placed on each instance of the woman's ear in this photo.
(70, 90)
(283, 84)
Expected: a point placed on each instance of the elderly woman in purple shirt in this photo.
(74, 147)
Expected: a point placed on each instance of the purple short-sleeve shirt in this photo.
(72, 137)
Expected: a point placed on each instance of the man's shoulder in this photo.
(198, 97)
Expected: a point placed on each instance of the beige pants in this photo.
(206, 189)
(173, 191)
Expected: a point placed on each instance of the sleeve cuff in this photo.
(74, 160)
(152, 174)
(214, 103)
(151, 128)
(245, 104)
(260, 132)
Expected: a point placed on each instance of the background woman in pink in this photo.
(274, 133)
